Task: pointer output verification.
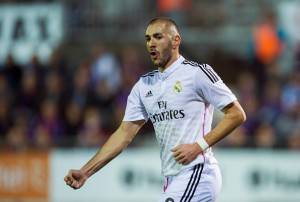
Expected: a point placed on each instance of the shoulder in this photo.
(202, 70)
(150, 77)
(150, 74)
(193, 64)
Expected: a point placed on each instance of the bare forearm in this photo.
(109, 151)
(114, 146)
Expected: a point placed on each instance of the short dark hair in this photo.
(164, 19)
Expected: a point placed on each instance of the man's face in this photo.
(159, 43)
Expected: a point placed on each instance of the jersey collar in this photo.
(171, 68)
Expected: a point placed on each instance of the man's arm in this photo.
(234, 116)
(118, 141)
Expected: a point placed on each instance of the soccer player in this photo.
(179, 98)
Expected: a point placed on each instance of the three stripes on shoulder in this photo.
(208, 70)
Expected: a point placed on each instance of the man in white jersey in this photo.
(179, 99)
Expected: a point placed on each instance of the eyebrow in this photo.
(155, 34)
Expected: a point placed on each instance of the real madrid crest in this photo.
(177, 87)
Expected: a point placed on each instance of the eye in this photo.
(158, 36)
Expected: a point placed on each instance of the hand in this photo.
(186, 153)
(75, 178)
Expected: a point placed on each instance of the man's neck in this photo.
(173, 59)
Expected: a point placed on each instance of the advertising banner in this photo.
(24, 176)
(248, 176)
(30, 29)
(134, 176)
(260, 175)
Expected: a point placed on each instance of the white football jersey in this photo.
(179, 102)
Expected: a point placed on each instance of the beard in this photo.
(165, 57)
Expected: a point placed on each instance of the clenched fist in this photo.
(75, 178)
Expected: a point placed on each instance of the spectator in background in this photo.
(293, 141)
(297, 56)
(291, 92)
(106, 80)
(247, 94)
(268, 44)
(175, 9)
(246, 86)
(6, 120)
(42, 139)
(58, 68)
(48, 130)
(237, 139)
(80, 91)
(54, 88)
(58, 64)
(36, 68)
(92, 134)
(131, 68)
(17, 137)
(268, 39)
(105, 69)
(29, 95)
(13, 73)
(270, 108)
(264, 136)
(285, 125)
(72, 119)
(289, 121)
(103, 98)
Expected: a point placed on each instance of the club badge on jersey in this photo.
(177, 87)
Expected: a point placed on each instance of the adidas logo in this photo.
(149, 94)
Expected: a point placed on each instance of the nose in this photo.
(152, 43)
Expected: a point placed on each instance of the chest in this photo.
(168, 94)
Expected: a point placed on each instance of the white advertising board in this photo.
(30, 29)
(132, 176)
(248, 176)
(260, 176)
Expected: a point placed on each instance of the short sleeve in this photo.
(211, 87)
(135, 109)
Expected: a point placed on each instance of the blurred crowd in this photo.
(269, 90)
(57, 105)
(42, 106)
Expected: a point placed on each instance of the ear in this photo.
(176, 41)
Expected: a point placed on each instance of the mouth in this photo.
(154, 54)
